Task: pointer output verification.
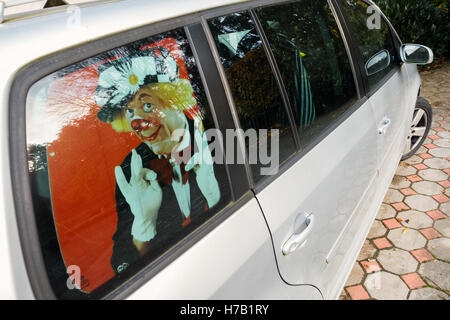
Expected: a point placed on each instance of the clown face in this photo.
(154, 120)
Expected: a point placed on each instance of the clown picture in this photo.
(142, 93)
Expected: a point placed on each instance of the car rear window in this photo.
(113, 179)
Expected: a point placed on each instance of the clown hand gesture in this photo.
(203, 166)
(144, 196)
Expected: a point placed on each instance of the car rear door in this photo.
(235, 260)
(328, 167)
(63, 173)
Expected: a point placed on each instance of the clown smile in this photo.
(152, 136)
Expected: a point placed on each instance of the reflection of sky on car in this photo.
(17, 6)
(53, 113)
(231, 40)
(377, 59)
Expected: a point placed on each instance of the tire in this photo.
(420, 127)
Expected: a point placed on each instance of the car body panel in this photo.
(342, 180)
(232, 262)
(390, 101)
(330, 182)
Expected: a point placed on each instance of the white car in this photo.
(216, 150)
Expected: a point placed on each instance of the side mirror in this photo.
(416, 53)
(378, 62)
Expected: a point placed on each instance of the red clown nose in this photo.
(140, 124)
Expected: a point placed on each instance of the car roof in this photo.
(14, 9)
(27, 38)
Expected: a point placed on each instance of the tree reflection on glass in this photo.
(370, 40)
(311, 56)
(255, 91)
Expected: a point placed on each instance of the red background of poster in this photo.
(81, 171)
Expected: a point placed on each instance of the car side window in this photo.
(373, 38)
(256, 94)
(311, 56)
(113, 145)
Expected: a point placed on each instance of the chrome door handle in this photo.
(384, 126)
(298, 240)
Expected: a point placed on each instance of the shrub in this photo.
(440, 3)
(420, 21)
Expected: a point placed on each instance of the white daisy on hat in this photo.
(121, 78)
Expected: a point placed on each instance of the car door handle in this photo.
(384, 126)
(297, 240)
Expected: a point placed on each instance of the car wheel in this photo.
(420, 127)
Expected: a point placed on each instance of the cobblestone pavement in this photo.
(407, 252)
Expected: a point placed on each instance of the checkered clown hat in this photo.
(120, 79)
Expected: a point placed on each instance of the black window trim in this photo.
(300, 152)
(352, 54)
(229, 96)
(249, 7)
(24, 208)
(240, 7)
(358, 59)
(279, 79)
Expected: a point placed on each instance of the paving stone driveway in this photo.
(407, 252)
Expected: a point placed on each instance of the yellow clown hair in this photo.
(177, 95)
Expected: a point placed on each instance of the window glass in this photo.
(313, 62)
(373, 38)
(113, 145)
(255, 91)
